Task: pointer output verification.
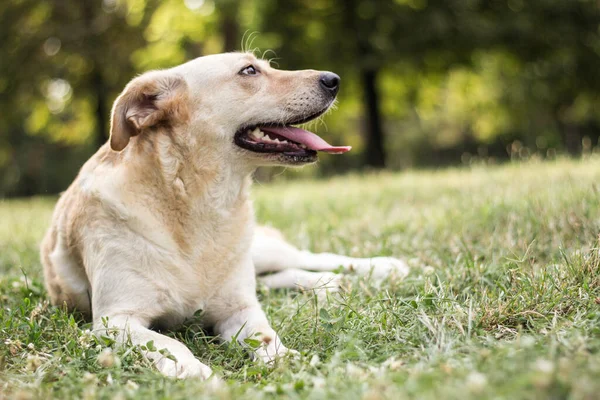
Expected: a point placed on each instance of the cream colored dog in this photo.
(159, 222)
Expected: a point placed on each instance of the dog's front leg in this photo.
(251, 329)
(171, 358)
(236, 313)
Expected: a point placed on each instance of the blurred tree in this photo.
(67, 60)
(455, 77)
(230, 29)
(363, 38)
(553, 44)
(557, 46)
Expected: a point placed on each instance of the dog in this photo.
(159, 223)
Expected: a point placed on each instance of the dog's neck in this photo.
(194, 193)
(196, 174)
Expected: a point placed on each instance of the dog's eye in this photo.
(249, 70)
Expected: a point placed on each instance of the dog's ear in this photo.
(157, 97)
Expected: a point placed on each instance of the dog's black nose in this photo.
(330, 82)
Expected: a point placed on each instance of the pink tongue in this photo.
(309, 139)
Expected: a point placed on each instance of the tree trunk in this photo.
(374, 153)
(572, 138)
(229, 26)
(96, 82)
(101, 112)
(368, 66)
(569, 131)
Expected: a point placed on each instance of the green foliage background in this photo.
(425, 82)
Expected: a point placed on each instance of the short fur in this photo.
(159, 223)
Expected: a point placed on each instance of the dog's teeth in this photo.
(261, 134)
(256, 133)
(276, 140)
(285, 141)
(302, 146)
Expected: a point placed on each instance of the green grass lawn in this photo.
(502, 300)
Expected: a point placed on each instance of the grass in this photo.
(502, 300)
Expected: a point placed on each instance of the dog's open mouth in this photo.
(284, 139)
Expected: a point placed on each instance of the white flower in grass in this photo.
(414, 262)
(33, 362)
(108, 359)
(544, 366)
(355, 371)
(131, 386)
(214, 384)
(392, 364)
(270, 389)
(314, 361)
(527, 341)
(86, 339)
(89, 393)
(428, 270)
(544, 373)
(90, 379)
(476, 382)
(318, 382)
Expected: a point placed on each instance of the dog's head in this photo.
(232, 103)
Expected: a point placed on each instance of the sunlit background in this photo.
(424, 82)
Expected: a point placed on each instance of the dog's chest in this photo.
(216, 245)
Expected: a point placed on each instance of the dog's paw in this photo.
(273, 351)
(380, 268)
(320, 282)
(188, 367)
